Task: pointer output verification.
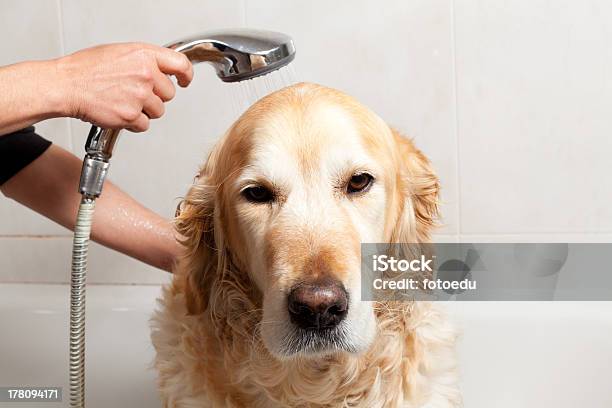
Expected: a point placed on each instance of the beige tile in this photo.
(442, 238)
(534, 93)
(107, 266)
(48, 260)
(93, 23)
(35, 259)
(30, 30)
(16, 219)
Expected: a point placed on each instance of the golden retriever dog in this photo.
(265, 307)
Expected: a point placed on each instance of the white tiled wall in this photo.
(510, 100)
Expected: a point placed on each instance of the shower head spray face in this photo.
(239, 54)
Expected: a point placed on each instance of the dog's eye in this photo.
(258, 194)
(359, 183)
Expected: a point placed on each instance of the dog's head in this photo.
(283, 203)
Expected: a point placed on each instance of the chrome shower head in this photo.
(238, 54)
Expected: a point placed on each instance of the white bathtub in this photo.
(513, 355)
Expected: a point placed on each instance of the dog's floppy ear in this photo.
(419, 187)
(195, 223)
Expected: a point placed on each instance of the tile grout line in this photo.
(455, 113)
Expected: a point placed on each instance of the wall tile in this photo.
(31, 30)
(48, 260)
(534, 91)
(442, 238)
(31, 35)
(395, 57)
(93, 23)
(108, 266)
(17, 220)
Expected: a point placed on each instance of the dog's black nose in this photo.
(318, 305)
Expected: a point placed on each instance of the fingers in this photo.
(174, 63)
(141, 124)
(146, 85)
(153, 107)
(139, 121)
(163, 87)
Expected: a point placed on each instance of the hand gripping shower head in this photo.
(236, 55)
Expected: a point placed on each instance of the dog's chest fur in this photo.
(212, 360)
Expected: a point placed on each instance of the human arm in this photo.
(114, 86)
(48, 186)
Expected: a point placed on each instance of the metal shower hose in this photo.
(80, 245)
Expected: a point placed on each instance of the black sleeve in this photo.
(18, 149)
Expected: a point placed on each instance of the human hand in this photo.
(120, 86)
